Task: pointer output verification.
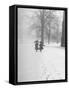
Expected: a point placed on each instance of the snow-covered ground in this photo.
(46, 65)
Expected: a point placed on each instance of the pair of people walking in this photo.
(38, 45)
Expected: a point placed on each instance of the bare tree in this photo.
(43, 23)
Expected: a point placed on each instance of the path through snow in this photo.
(46, 65)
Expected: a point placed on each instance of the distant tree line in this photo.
(46, 26)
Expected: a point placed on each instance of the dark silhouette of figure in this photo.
(36, 45)
(41, 46)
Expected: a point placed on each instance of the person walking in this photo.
(36, 45)
(41, 46)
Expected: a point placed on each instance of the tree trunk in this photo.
(57, 36)
(49, 36)
(42, 27)
(49, 33)
(63, 32)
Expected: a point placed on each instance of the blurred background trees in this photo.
(48, 26)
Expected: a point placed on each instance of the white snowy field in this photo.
(36, 66)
